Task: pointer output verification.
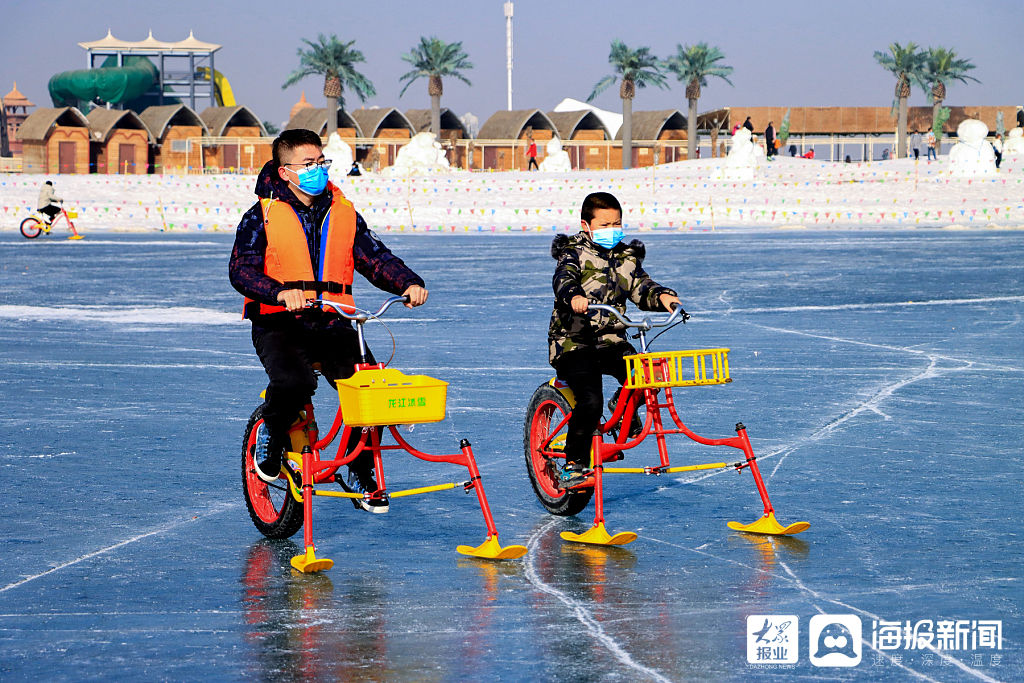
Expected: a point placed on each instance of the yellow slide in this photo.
(225, 96)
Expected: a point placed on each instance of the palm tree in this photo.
(906, 63)
(941, 66)
(433, 59)
(335, 61)
(637, 69)
(693, 65)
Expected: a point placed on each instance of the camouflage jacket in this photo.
(604, 276)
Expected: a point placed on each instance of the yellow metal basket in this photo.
(677, 369)
(390, 397)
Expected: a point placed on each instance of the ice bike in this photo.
(374, 399)
(651, 376)
(36, 224)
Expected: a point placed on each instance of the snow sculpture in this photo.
(972, 155)
(557, 159)
(421, 156)
(743, 158)
(340, 155)
(1013, 145)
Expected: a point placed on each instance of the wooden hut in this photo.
(119, 142)
(651, 127)
(452, 130)
(55, 141)
(503, 138)
(238, 141)
(389, 129)
(810, 126)
(582, 126)
(176, 131)
(315, 120)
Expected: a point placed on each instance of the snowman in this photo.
(556, 159)
(422, 155)
(972, 155)
(1013, 146)
(743, 158)
(340, 156)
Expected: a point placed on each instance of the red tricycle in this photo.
(651, 377)
(373, 399)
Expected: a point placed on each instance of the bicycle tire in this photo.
(31, 227)
(547, 408)
(274, 511)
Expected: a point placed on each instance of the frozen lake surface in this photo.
(879, 375)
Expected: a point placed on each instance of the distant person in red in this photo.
(531, 153)
(809, 154)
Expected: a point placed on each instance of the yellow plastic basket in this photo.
(390, 397)
(677, 369)
(72, 213)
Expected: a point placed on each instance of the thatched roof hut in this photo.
(375, 121)
(653, 125)
(220, 120)
(159, 120)
(314, 119)
(40, 122)
(513, 125)
(420, 120)
(55, 141)
(570, 123)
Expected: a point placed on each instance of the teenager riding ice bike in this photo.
(37, 224)
(650, 378)
(374, 399)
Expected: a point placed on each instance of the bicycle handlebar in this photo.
(360, 315)
(645, 323)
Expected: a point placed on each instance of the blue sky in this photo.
(794, 53)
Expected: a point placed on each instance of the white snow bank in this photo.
(672, 197)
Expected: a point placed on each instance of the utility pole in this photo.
(508, 49)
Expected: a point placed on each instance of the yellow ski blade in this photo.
(310, 563)
(492, 550)
(76, 237)
(597, 535)
(769, 525)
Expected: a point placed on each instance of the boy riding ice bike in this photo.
(595, 267)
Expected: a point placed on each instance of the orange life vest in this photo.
(287, 258)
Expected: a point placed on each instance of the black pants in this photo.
(582, 370)
(288, 353)
(51, 211)
(532, 164)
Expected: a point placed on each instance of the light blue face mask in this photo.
(608, 237)
(312, 180)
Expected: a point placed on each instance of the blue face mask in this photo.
(608, 237)
(312, 180)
